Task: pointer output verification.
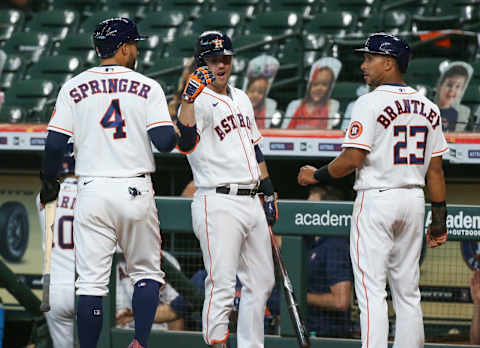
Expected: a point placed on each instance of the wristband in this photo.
(439, 204)
(322, 175)
(266, 186)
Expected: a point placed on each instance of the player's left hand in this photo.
(434, 241)
(305, 176)
(49, 190)
(271, 209)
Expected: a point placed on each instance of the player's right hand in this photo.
(196, 82)
(49, 190)
(437, 239)
(305, 176)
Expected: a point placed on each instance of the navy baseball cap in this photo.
(388, 45)
(111, 33)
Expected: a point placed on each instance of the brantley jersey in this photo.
(402, 130)
(108, 110)
(225, 153)
(63, 250)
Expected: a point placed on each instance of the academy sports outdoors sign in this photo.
(334, 218)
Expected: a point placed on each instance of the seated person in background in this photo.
(124, 295)
(261, 72)
(330, 277)
(475, 292)
(451, 86)
(316, 110)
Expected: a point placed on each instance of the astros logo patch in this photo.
(355, 130)
(218, 43)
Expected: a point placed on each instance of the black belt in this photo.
(141, 176)
(240, 191)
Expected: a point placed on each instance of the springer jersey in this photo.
(402, 130)
(107, 110)
(63, 251)
(225, 153)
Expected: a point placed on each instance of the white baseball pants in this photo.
(385, 243)
(107, 211)
(235, 240)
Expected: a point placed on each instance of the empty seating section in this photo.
(53, 42)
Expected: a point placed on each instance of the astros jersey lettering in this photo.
(103, 109)
(225, 122)
(402, 131)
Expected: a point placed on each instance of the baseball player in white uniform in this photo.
(62, 274)
(394, 140)
(227, 215)
(112, 113)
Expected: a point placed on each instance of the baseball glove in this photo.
(437, 231)
(196, 83)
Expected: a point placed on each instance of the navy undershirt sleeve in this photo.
(258, 154)
(55, 147)
(164, 138)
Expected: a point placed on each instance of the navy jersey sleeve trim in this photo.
(164, 138)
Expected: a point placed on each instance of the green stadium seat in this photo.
(246, 8)
(275, 23)
(362, 8)
(79, 45)
(414, 7)
(32, 94)
(190, 8)
(12, 114)
(164, 24)
(56, 68)
(302, 7)
(29, 45)
(346, 92)
(343, 49)
(84, 7)
(393, 22)
(6, 31)
(334, 23)
(226, 21)
(429, 23)
(182, 47)
(252, 45)
(16, 18)
(138, 8)
(423, 71)
(12, 70)
(89, 24)
(56, 23)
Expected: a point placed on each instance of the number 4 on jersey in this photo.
(113, 119)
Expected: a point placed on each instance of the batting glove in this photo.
(50, 189)
(196, 82)
(271, 209)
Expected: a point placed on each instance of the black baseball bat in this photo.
(292, 306)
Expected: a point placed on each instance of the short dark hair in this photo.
(328, 192)
(456, 70)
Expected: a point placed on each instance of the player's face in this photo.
(373, 68)
(450, 89)
(320, 85)
(221, 66)
(257, 91)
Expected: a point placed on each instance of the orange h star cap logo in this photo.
(218, 43)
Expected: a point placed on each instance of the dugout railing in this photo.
(298, 220)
